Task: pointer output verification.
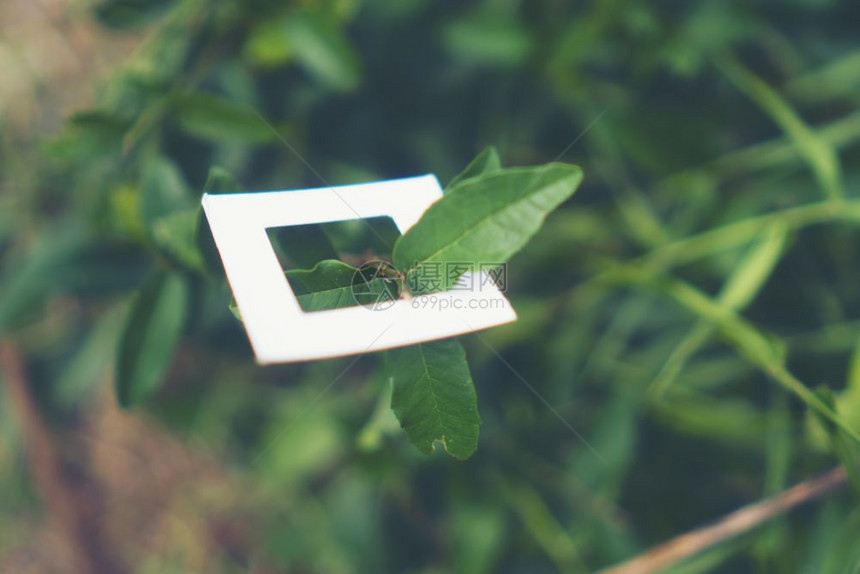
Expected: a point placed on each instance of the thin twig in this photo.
(738, 522)
(61, 497)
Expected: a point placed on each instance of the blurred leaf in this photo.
(844, 447)
(301, 246)
(90, 136)
(150, 338)
(486, 162)
(434, 397)
(29, 280)
(164, 190)
(219, 119)
(761, 350)
(837, 79)
(745, 282)
(711, 26)
(820, 155)
(755, 268)
(735, 422)
(488, 38)
(778, 450)
(323, 50)
(125, 212)
(269, 44)
(382, 422)
(122, 14)
(848, 401)
(541, 525)
(177, 234)
(334, 285)
(86, 371)
(486, 219)
(298, 445)
(478, 536)
(102, 268)
(220, 180)
(840, 552)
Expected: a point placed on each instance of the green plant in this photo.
(687, 341)
(486, 215)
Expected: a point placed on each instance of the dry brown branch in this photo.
(742, 520)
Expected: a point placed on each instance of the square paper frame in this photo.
(279, 330)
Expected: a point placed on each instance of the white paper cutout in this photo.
(279, 330)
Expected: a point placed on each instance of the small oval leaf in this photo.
(150, 338)
(434, 397)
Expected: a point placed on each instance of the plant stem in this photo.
(738, 522)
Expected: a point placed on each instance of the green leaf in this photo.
(434, 397)
(311, 40)
(269, 44)
(485, 163)
(485, 219)
(755, 268)
(220, 180)
(218, 119)
(164, 190)
(301, 246)
(31, 277)
(323, 50)
(844, 447)
(333, 284)
(488, 39)
(819, 154)
(80, 377)
(124, 15)
(762, 350)
(150, 338)
(89, 135)
(739, 290)
(848, 400)
(176, 234)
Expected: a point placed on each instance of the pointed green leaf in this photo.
(220, 180)
(485, 163)
(269, 44)
(843, 447)
(488, 38)
(164, 190)
(434, 397)
(176, 234)
(28, 280)
(486, 219)
(323, 50)
(848, 400)
(333, 284)
(219, 119)
(150, 338)
(755, 268)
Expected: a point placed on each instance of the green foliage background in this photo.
(682, 313)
